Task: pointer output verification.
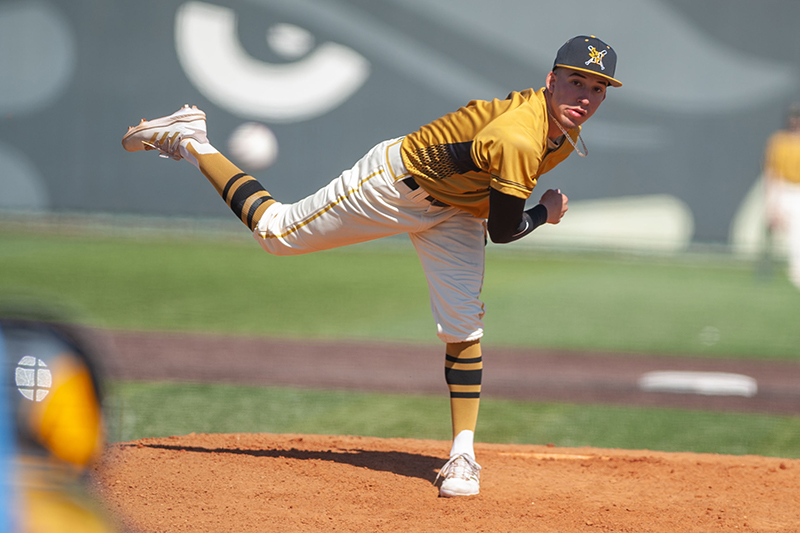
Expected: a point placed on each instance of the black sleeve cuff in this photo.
(508, 221)
(531, 219)
(538, 214)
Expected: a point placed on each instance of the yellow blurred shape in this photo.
(51, 511)
(68, 421)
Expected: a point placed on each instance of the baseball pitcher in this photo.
(446, 185)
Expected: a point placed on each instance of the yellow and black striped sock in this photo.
(246, 197)
(463, 370)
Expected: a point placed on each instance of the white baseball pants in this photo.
(788, 200)
(370, 201)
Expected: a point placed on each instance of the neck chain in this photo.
(585, 150)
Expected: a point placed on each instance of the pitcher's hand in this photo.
(556, 203)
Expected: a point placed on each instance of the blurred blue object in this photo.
(6, 446)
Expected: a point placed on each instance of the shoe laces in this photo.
(460, 466)
(167, 146)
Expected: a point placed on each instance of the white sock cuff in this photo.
(200, 148)
(463, 443)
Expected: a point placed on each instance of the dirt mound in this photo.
(267, 482)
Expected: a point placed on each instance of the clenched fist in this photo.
(556, 203)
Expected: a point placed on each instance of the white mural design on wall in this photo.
(38, 29)
(312, 81)
(21, 184)
(29, 82)
(216, 63)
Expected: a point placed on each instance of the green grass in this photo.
(165, 409)
(708, 307)
(711, 308)
(222, 287)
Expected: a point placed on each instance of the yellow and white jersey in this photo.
(782, 158)
(500, 144)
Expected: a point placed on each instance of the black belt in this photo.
(412, 184)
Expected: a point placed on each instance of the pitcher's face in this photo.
(574, 96)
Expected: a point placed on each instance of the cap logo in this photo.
(596, 56)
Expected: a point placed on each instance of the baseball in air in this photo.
(253, 146)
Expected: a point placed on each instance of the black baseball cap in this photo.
(587, 53)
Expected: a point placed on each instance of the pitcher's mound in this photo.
(266, 482)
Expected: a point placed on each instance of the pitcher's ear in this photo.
(550, 80)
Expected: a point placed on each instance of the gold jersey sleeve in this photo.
(782, 158)
(499, 144)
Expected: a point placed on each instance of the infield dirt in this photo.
(298, 483)
(265, 482)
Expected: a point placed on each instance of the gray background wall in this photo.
(705, 83)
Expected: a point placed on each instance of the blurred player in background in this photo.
(782, 175)
(52, 390)
(446, 185)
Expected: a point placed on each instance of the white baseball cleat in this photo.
(460, 477)
(166, 133)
